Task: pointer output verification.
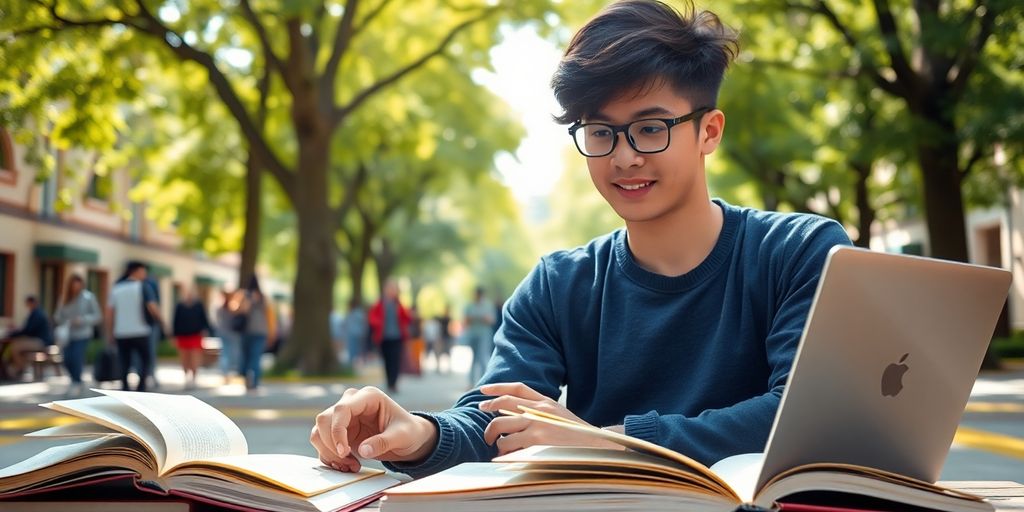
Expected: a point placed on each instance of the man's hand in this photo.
(369, 423)
(513, 433)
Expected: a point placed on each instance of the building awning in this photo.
(157, 271)
(203, 280)
(64, 252)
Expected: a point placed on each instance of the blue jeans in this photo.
(230, 352)
(150, 369)
(252, 351)
(74, 358)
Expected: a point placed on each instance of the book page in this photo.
(191, 429)
(111, 413)
(80, 429)
(296, 473)
(628, 464)
(626, 441)
(741, 471)
(836, 479)
(52, 456)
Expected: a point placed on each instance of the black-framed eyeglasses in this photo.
(643, 135)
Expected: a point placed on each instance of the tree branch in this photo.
(150, 25)
(351, 189)
(976, 155)
(868, 66)
(273, 61)
(342, 39)
(968, 58)
(891, 37)
(359, 27)
(362, 96)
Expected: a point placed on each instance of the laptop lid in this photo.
(888, 357)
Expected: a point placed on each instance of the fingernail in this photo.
(365, 451)
(484, 404)
(342, 451)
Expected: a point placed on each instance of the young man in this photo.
(127, 324)
(680, 329)
(34, 336)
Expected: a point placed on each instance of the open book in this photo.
(178, 444)
(649, 477)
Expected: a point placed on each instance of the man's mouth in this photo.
(634, 186)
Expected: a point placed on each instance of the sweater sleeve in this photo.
(744, 427)
(526, 350)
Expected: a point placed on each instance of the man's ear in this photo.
(712, 129)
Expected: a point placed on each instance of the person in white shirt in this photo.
(127, 321)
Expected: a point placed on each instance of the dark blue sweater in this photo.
(36, 326)
(696, 363)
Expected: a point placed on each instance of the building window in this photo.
(6, 285)
(99, 187)
(7, 170)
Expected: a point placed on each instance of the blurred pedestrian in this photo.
(230, 339)
(81, 313)
(479, 321)
(414, 345)
(34, 336)
(258, 331)
(354, 329)
(336, 322)
(130, 300)
(190, 325)
(389, 323)
(444, 347)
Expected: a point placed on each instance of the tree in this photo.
(306, 49)
(931, 56)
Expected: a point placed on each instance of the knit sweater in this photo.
(696, 362)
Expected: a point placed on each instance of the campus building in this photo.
(91, 235)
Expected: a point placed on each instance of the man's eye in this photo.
(600, 132)
(651, 129)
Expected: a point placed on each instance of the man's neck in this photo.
(673, 246)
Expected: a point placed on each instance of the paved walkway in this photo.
(989, 444)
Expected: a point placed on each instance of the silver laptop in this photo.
(887, 360)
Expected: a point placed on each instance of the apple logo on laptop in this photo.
(892, 377)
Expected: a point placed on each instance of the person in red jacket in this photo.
(389, 327)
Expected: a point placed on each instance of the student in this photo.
(34, 336)
(129, 299)
(679, 329)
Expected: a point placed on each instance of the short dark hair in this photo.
(32, 299)
(637, 44)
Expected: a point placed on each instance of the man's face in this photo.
(647, 187)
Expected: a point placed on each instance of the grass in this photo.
(1009, 348)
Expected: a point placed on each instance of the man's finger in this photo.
(506, 402)
(351, 405)
(327, 455)
(513, 442)
(512, 388)
(504, 425)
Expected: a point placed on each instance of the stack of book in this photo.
(173, 451)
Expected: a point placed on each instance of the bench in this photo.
(51, 356)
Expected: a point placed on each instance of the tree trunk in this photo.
(943, 201)
(309, 348)
(385, 261)
(865, 212)
(253, 218)
(357, 268)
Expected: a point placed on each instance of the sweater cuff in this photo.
(436, 460)
(643, 426)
